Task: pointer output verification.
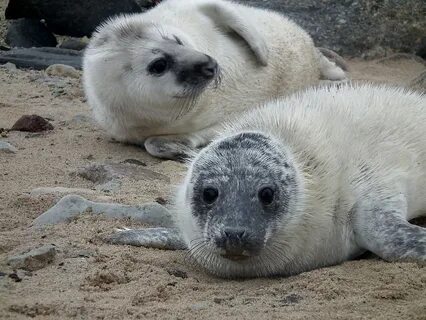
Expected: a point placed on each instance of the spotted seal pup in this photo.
(167, 78)
(306, 182)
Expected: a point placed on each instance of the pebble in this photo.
(6, 147)
(9, 66)
(34, 259)
(177, 273)
(62, 70)
(32, 123)
(290, 299)
(72, 206)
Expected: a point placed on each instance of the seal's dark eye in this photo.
(158, 66)
(266, 195)
(210, 195)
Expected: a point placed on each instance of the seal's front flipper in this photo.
(230, 19)
(179, 147)
(169, 147)
(159, 238)
(382, 229)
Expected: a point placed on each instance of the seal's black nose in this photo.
(206, 69)
(233, 241)
(234, 234)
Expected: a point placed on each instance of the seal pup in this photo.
(307, 182)
(168, 78)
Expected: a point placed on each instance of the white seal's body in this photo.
(358, 154)
(261, 54)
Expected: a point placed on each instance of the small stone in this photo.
(62, 70)
(6, 147)
(15, 277)
(2, 274)
(3, 134)
(161, 201)
(220, 300)
(177, 273)
(35, 259)
(291, 299)
(32, 123)
(9, 66)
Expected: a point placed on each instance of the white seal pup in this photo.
(310, 181)
(153, 78)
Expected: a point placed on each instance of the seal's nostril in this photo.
(235, 234)
(208, 70)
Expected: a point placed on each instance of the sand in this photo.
(93, 280)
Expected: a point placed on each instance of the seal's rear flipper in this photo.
(382, 229)
(227, 17)
(159, 238)
(332, 66)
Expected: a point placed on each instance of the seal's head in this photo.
(241, 193)
(147, 65)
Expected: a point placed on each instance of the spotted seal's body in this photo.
(153, 78)
(310, 181)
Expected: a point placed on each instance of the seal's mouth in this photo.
(235, 257)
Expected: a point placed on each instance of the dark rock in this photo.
(354, 28)
(27, 33)
(2, 274)
(161, 201)
(35, 259)
(15, 277)
(41, 58)
(73, 44)
(146, 4)
(32, 123)
(76, 18)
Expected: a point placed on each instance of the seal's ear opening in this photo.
(229, 19)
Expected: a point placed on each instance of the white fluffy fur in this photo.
(132, 106)
(351, 143)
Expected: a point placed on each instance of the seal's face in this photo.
(241, 190)
(154, 64)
